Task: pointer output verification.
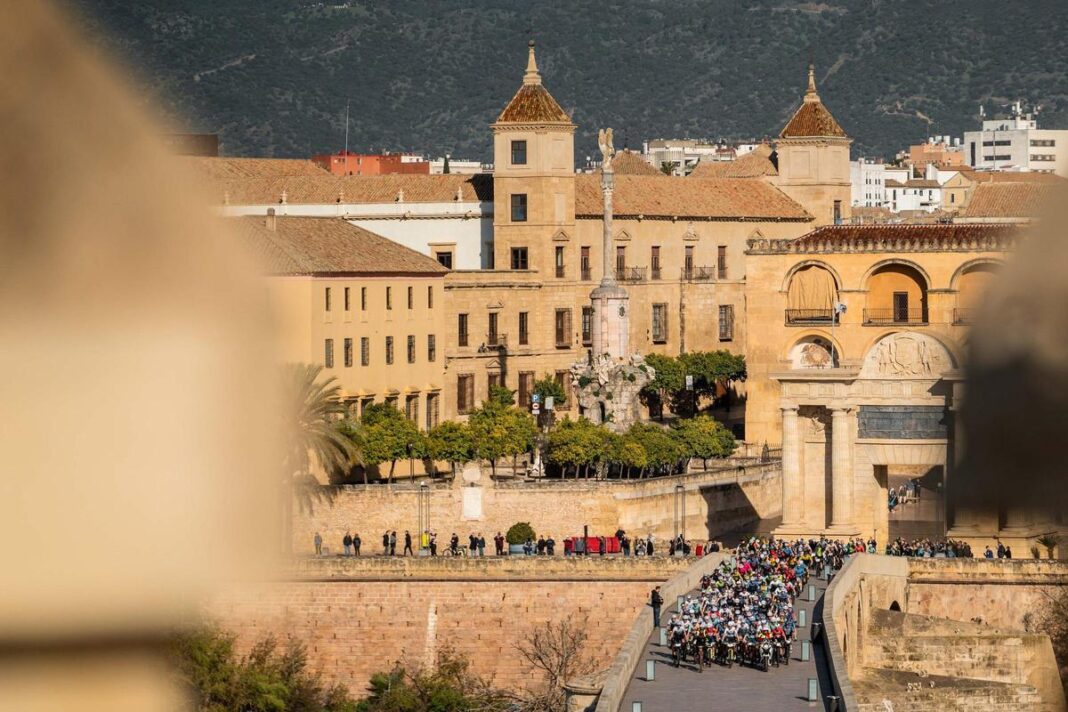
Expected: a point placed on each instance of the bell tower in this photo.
(533, 176)
(813, 157)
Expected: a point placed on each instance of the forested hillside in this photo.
(272, 76)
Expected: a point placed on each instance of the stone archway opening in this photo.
(920, 510)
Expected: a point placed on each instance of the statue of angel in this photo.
(604, 141)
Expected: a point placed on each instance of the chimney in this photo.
(272, 221)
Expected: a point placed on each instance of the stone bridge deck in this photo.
(740, 688)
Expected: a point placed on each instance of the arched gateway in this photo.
(846, 429)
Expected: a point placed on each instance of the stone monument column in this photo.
(611, 307)
(841, 468)
(793, 487)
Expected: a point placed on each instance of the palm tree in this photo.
(313, 411)
(1050, 541)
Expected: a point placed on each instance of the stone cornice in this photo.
(845, 245)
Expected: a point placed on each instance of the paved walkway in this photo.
(739, 688)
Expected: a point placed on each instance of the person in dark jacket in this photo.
(356, 544)
(385, 544)
(408, 543)
(655, 602)
(318, 544)
(346, 541)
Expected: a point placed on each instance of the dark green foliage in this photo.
(499, 395)
(265, 680)
(499, 430)
(272, 76)
(451, 442)
(519, 533)
(387, 436)
(452, 686)
(704, 437)
(547, 386)
(710, 370)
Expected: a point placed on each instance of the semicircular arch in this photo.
(972, 264)
(898, 261)
(808, 336)
(952, 348)
(809, 263)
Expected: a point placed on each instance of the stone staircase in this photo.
(920, 663)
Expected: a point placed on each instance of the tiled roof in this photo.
(891, 183)
(627, 162)
(901, 234)
(533, 104)
(669, 196)
(254, 167)
(1011, 176)
(922, 183)
(300, 245)
(1010, 200)
(812, 119)
(327, 188)
(757, 163)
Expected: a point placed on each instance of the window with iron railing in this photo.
(524, 328)
(465, 393)
(328, 353)
(411, 349)
(721, 262)
(461, 329)
(431, 348)
(726, 322)
(559, 262)
(432, 415)
(587, 326)
(654, 263)
(389, 350)
(365, 351)
(562, 322)
(630, 274)
(348, 352)
(659, 323)
(584, 263)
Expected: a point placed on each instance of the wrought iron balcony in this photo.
(895, 316)
(963, 316)
(586, 276)
(496, 341)
(698, 274)
(630, 274)
(810, 316)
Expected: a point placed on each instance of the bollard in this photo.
(812, 592)
(650, 670)
(813, 690)
(636, 707)
(801, 617)
(804, 651)
(663, 637)
(832, 703)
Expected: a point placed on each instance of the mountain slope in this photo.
(272, 76)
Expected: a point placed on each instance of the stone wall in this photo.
(360, 617)
(717, 501)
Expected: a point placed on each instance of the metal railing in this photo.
(895, 316)
(963, 316)
(810, 316)
(654, 273)
(586, 276)
(630, 274)
(496, 341)
(698, 274)
(559, 271)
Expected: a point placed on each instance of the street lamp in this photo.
(423, 506)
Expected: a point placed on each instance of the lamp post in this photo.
(411, 462)
(423, 504)
(680, 511)
(838, 309)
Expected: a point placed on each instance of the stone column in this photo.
(841, 468)
(793, 488)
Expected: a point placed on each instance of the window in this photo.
(432, 417)
(837, 212)
(411, 298)
(654, 262)
(587, 326)
(519, 153)
(389, 297)
(519, 258)
(348, 302)
(492, 334)
(493, 380)
(465, 393)
(1043, 157)
(348, 353)
(1002, 142)
(559, 262)
(461, 329)
(687, 264)
(431, 348)
(726, 322)
(721, 262)
(411, 407)
(391, 401)
(659, 323)
(563, 328)
(363, 298)
(621, 260)
(411, 349)
(524, 328)
(365, 351)
(1046, 142)
(328, 353)
(901, 306)
(389, 349)
(430, 297)
(952, 197)
(998, 157)
(526, 388)
(444, 259)
(519, 207)
(364, 403)
(584, 263)
(326, 299)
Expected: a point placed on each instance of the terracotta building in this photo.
(347, 163)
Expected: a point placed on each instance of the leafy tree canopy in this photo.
(548, 386)
(704, 437)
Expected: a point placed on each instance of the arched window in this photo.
(811, 296)
(972, 283)
(897, 294)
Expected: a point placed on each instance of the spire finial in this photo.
(810, 93)
(531, 76)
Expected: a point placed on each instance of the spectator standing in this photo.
(1008, 552)
(408, 543)
(1001, 550)
(649, 545)
(655, 602)
(385, 544)
(346, 542)
(624, 545)
(988, 554)
(550, 546)
(481, 545)
(318, 544)
(498, 544)
(454, 544)
(433, 544)
(393, 543)
(356, 544)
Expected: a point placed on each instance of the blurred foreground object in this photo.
(137, 441)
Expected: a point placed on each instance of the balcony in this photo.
(586, 276)
(559, 271)
(654, 273)
(810, 316)
(496, 341)
(698, 274)
(963, 316)
(630, 274)
(882, 317)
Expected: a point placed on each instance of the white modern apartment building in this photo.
(868, 179)
(683, 154)
(1017, 144)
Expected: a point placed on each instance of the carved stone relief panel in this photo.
(906, 355)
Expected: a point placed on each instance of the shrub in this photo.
(519, 533)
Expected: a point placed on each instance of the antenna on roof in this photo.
(346, 127)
